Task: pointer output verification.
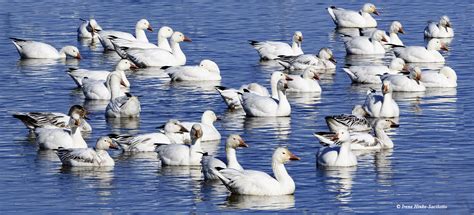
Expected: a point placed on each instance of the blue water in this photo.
(430, 164)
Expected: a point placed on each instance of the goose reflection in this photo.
(95, 105)
(383, 166)
(360, 60)
(278, 125)
(47, 155)
(183, 178)
(100, 178)
(39, 63)
(236, 201)
(440, 95)
(89, 42)
(339, 181)
(127, 123)
(233, 119)
(208, 86)
(304, 99)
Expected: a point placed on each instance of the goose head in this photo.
(79, 110)
(310, 73)
(276, 76)
(282, 85)
(386, 87)
(93, 27)
(326, 53)
(209, 65)
(449, 73)
(358, 110)
(298, 37)
(143, 24)
(71, 51)
(179, 37)
(105, 143)
(235, 141)
(209, 117)
(196, 132)
(75, 120)
(341, 136)
(396, 27)
(370, 8)
(385, 124)
(379, 35)
(397, 64)
(436, 44)
(415, 74)
(445, 22)
(283, 155)
(165, 32)
(174, 126)
(125, 64)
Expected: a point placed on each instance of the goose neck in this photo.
(62, 53)
(282, 176)
(140, 35)
(384, 138)
(178, 53)
(232, 158)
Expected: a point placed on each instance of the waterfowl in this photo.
(323, 61)
(183, 155)
(97, 156)
(28, 49)
(338, 155)
(442, 29)
(354, 19)
(269, 50)
(140, 27)
(377, 105)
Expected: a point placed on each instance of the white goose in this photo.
(172, 134)
(403, 83)
(164, 33)
(323, 61)
(252, 182)
(371, 74)
(33, 120)
(382, 105)
(53, 138)
(305, 83)
(209, 163)
(366, 45)
(157, 57)
(100, 75)
(207, 70)
(351, 122)
(127, 106)
(269, 50)
(100, 90)
(183, 155)
(97, 156)
(395, 28)
(29, 49)
(209, 131)
(340, 155)
(140, 27)
(88, 29)
(442, 29)
(444, 78)
(262, 106)
(420, 54)
(354, 19)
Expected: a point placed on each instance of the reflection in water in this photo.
(440, 95)
(92, 43)
(127, 123)
(260, 202)
(383, 166)
(146, 156)
(360, 60)
(281, 125)
(95, 105)
(39, 63)
(197, 85)
(103, 175)
(304, 99)
(340, 180)
(233, 119)
(211, 147)
(47, 155)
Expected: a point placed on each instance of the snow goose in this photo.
(420, 54)
(33, 120)
(252, 182)
(269, 50)
(183, 155)
(442, 29)
(100, 90)
(53, 138)
(209, 132)
(88, 29)
(147, 142)
(305, 83)
(339, 155)
(97, 156)
(157, 57)
(100, 75)
(395, 28)
(164, 33)
(263, 106)
(231, 96)
(29, 49)
(140, 27)
(354, 19)
(323, 61)
(377, 105)
(403, 83)
(352, 122)
(207, 70)
(209, 163)
(127, 106)
(366, 45)
(371, 74)
(445, 78)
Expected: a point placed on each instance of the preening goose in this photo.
(207, 70)
(28, 49)
(442, 29)
(263, 106)
(209, 131)
(53, 138)
(88, 29)
(183, 155)
(305, 83)
(377, 105)
(445, 78)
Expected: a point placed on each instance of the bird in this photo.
(209, 131)
(338, 155)
(127, 106)
(263, 106)
(97, 156)
(444, 78)
(363, 45)
(352, 122)
(110, 89)
(354, 19)
(420, 54)
(78, 75)
(377, 105)
(233, 142)
(183, 155)
(269, 50)
(370, 74)
(403, 83)
(442, 29)
(253, 182)
(53, 138)
(207, 70)
(28, 49)
(140, 27)
(323, 61)
(305, 83)
(164, 33)
(231, 96)
(88, 29)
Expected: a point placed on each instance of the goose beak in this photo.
(77, 122)
(149, 28)
(300, 39)
(401, 31)
(335, 137)
(113, 146)
(332, 59)
(78, 56)
(133, 66)
(183, 129)
(385, 88)
(405, 67)
(376, 12)
(293, 157)
(187, 39)
(394, 125)
(444, 47)
(288, 78)
(243, 144)
(316, 76)
(384, 39)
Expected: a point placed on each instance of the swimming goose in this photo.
(231, 96)
(97, 156)
(365, 141)
(183, 155)
(171, 134)
(324, 60)
(33, 120)
(352, 19)
(269, 50)
(339, 155)
(352, 122)
(442, 29)
(209, 132)
(305, 83)
(100, 75)
(403, 83)
(207, 70)
(395, 28)
(445, 77)
(262, 106)
(209, 162)
(164, 33)
(88, 29)
(371, 74)
(420, 54)
(29, 49)
(127, 106)
(140, 27)
(53, 138)
(100, 90)
(252, 182)
(377, 105)
(366, 45)
(157, 57)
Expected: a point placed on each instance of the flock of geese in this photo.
(179, 143)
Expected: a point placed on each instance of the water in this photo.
(430, 163)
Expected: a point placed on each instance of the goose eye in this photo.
(284, 152)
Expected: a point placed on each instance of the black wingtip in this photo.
(332, 7)
(246, 90)
(113, 135)
(253, 42)
(128, 95)
(17, 39)
(220, 88)
(165, 67)
(219, 168)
